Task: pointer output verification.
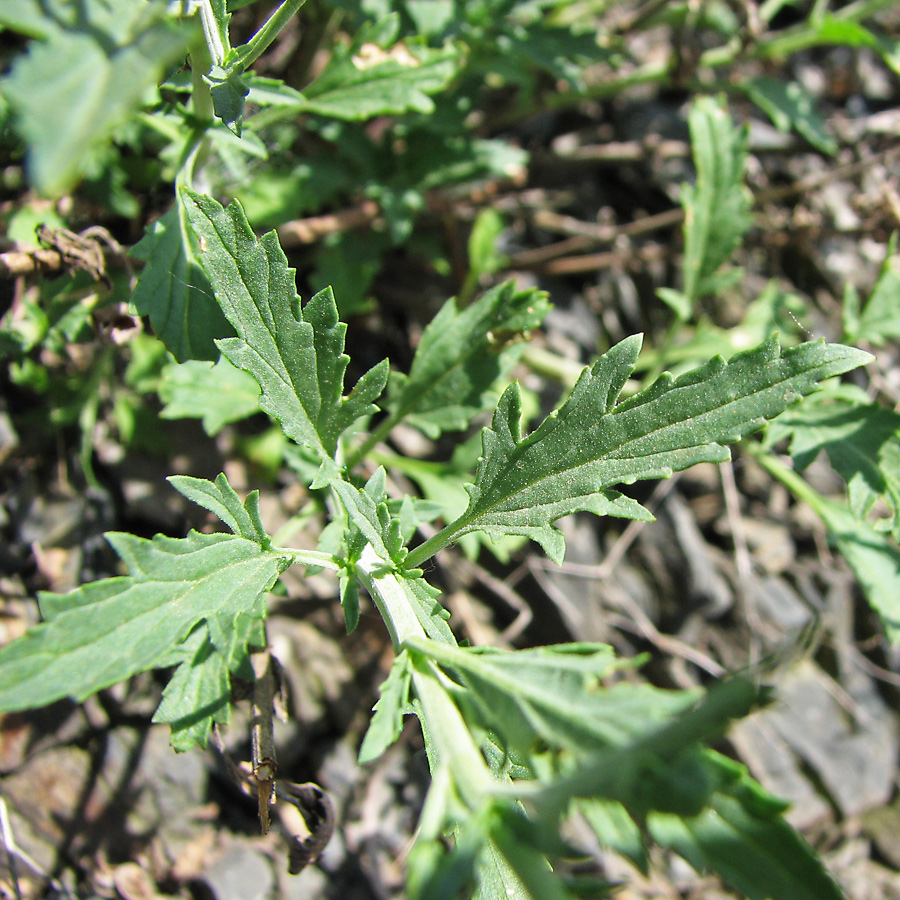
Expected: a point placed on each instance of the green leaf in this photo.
(387, 723)
(742, 836)
(221, 499)
(874, 558)
(863, 445)
(296, 355)
(716, 206)
(879, 320)
(173, 291)
(375, 78)
(616, 829)
(550, 694)
(789, 106)
(198, 693)
(228, 90)
(579, 452)
(461, 355)
(217, 394)
(90, 73)
(110, 630)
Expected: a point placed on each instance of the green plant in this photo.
(517, 741)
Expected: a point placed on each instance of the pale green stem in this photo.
(310, 558)
(214, 43)
(390, 596)
(448, 737)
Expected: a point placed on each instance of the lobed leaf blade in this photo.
(571, 462)
(295, 354)
(105, 632)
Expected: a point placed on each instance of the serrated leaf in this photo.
(372, 78)
(228, 91)
(173, 291)
(716, 206)
(393, 704)
(105, 632)
(88, 75)
(221, 499)
(461, 355)
(369, 514)
(295, 354)
(216, 393)
(579, 452)
(863, 445)
(550, 694)
(753, 849)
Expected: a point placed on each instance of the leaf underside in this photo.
(107, 631)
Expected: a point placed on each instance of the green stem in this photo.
(434, 544)
(310, 558)
(216, 41)
(358, 454)
(390, 596)
(447, 737)
(789, 478)
(259, 43)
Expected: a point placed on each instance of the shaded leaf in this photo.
(173, 291)
(742, 836)
(790, 106)
(862, 441)
(89, 72)
(461, 354)
(217, 394)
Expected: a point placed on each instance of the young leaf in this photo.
(716, 207)
(381, 533)
(393, 704)
(296, 355)
(220, 498)
(579, 452)
(173, 291)
(460, 356)
(217, 394)
(87, 75)
(107, 631)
